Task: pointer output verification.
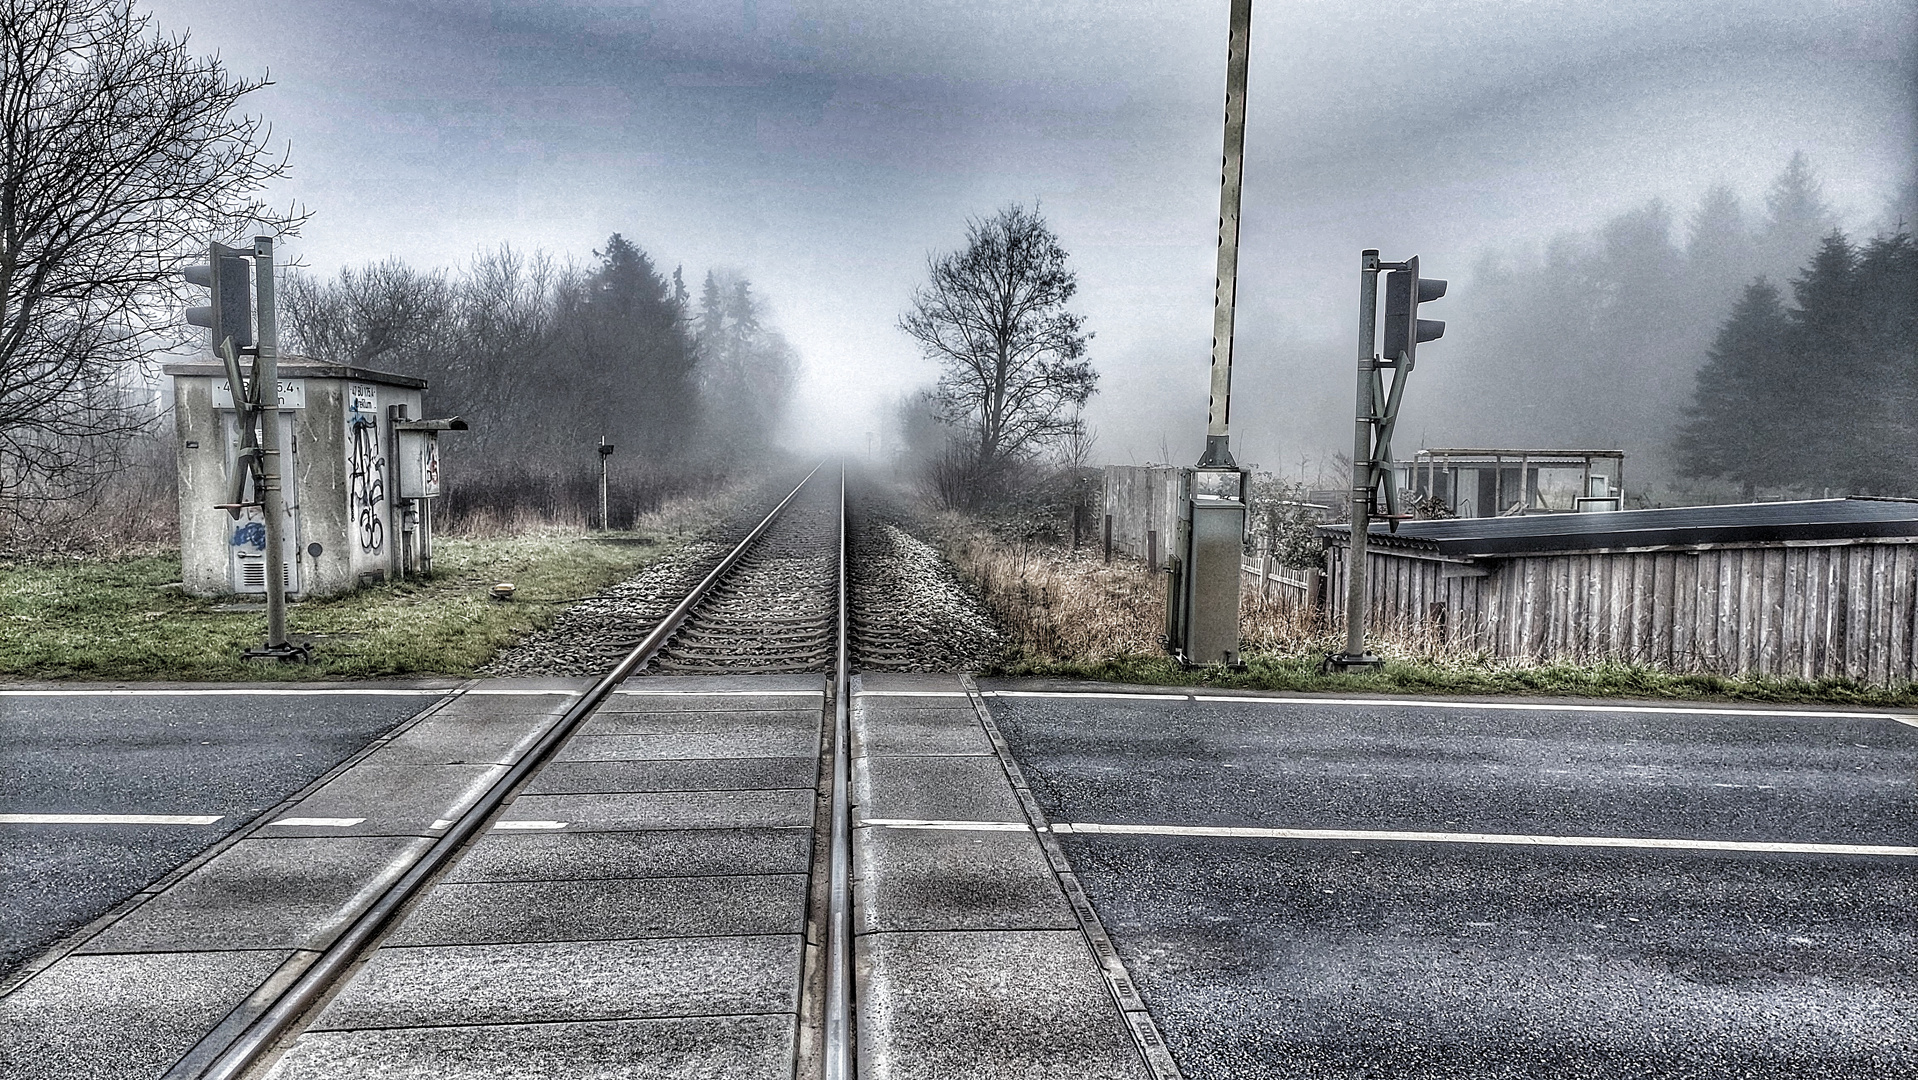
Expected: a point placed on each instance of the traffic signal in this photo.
(1404, 292)
(230, 315)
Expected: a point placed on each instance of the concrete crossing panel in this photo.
(606, 909)
(729, 1047)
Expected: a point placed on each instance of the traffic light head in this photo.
(1404, 292)
(230, 315)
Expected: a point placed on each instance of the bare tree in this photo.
(994, 317)
(365, 315)
(1077, 442)
(120, 152)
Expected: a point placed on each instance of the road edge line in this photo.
(1124, 992)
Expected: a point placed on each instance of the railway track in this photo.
(778, 602)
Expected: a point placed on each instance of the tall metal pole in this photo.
(1218, 420)
(1362, 478)
(272, 497)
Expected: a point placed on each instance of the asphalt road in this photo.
(1329, 956)
(152, 752)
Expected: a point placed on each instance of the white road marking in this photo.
(1086, 694)
(442, 823)
(1765, 846)
(720, 693)
(520, 691)
(961, 826)
(1530, 706)
(232, 692)
(1240, 832)
(319, 822)
(1514, 706)
(911, 693)
(513, 825)
(108, 819)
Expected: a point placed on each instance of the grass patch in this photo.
(121, 619)
(1069, 615)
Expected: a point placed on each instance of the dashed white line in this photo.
(512, 826)
(108, 819)
(233, 692)
(1762, 846)
(318, 822)
(911, 693)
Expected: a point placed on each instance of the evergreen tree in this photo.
(1821, 395)
(1738, 412)
(1797, 218)
(637, 354)
(1886, 344)
(746, 369)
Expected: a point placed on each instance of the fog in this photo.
(825, 149)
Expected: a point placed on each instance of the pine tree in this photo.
(1797, 217)
(1840, 408)
(1732, 428)
(633, 331)
(1886, 343)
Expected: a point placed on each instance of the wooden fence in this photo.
(1802, 609)
(1142, 505)
(1295, 590)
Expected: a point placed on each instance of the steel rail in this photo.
(839, 1031)
(264, 1031)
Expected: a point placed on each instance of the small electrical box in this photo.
(1203, 594)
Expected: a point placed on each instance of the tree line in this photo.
(542, 359)
(1820, 395)
(1596, 340)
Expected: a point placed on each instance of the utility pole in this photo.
(1218, 453)
(605, 514)
(1202, 621)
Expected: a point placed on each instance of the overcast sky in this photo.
(825, 147)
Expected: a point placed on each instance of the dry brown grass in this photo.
(1060, 604)
(1069, 615)
(134, 512)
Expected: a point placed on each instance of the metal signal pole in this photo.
(1378, 413)
(1363, 481)
(266, 377)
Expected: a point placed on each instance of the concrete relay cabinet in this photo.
(363, 470)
